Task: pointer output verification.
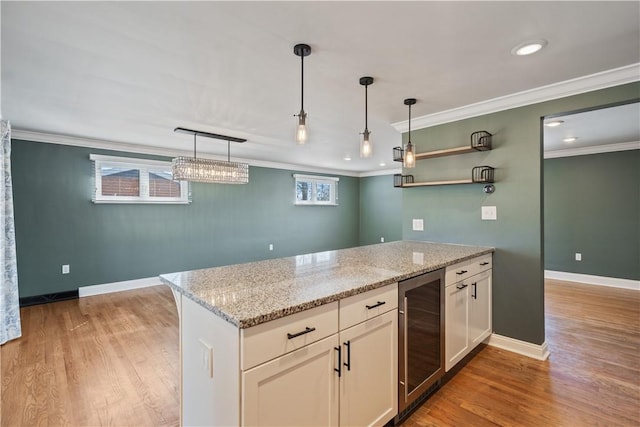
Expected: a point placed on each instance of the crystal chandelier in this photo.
(208, 170)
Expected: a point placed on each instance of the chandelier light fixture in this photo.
(366, 149)
(409, 155)
(301, 50)
(208, 170)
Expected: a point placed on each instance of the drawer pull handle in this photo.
(474, 295)
(306, 331)
(378, 304)
(461, 272)
(484, 263)
(461, 286)
(339, 368)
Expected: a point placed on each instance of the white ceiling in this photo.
(613, 125)
(131, 72)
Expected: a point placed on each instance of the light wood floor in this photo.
(113, 360)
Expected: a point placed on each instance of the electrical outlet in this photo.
(270, 246)
(65, 269)
(578, 256)
(418, 224)
(382, 240)
(489, 213)
(206, 357)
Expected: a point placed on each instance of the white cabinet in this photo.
(479, 308)
(456, 306)
(297, 389)
(467, 307)
(369, 380)
(305, 370)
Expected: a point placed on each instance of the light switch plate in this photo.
(418, 224)
(578, 256)
(489, 213)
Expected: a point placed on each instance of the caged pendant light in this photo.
(409, 154)
(207, 170)
(301, 50)
(366, 148)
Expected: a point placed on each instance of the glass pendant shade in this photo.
(301, 131)
(409, 153)
(301, 50)
(409, 156)
(366, 148)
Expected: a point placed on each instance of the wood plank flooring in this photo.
(591, 378)
(113, 360)
(104, 360)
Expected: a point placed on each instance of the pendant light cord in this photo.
(302, 83)
(194, 145)
(229, 151)
(366, 103)
(409, 123)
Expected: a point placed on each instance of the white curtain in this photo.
(9, 303)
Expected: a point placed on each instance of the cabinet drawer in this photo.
(364, 306)
(468, 268)
(272, 339)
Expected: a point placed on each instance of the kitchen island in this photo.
(243, 327)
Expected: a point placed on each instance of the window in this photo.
(129, 180)
(316, 190)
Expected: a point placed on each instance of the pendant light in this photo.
(207, 170)
(409, 155)
(301, 50)
(366, 148)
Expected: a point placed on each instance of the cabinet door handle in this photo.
(339, 368)
(297, 334)
(474, 295)
(484, 263)
(461, 272)
(461, 286)
(378, 304)
(348, 362)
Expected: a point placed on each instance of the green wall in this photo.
(56, 223)
(592, 206)
(452, 213)
(380, 210)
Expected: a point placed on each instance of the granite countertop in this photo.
(256, 292)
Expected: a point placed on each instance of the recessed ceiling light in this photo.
(347, 158)
(554, 123)
(529, 47)
(570, 139)
(383, 164)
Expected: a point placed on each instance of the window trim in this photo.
(145, 166)
(315, 179)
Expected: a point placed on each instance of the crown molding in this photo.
(602, 80)
(380, 172)
(49, 138)
(596, 149)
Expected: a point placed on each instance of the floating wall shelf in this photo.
(480, 141)
(479, 175)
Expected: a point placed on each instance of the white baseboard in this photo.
(126, 285)
(593, 280)
(539, 352)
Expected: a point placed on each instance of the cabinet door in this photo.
(369, 383)
(456, 323)
(297, 389)
(479, 308)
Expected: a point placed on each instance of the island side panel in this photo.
(210, 368)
